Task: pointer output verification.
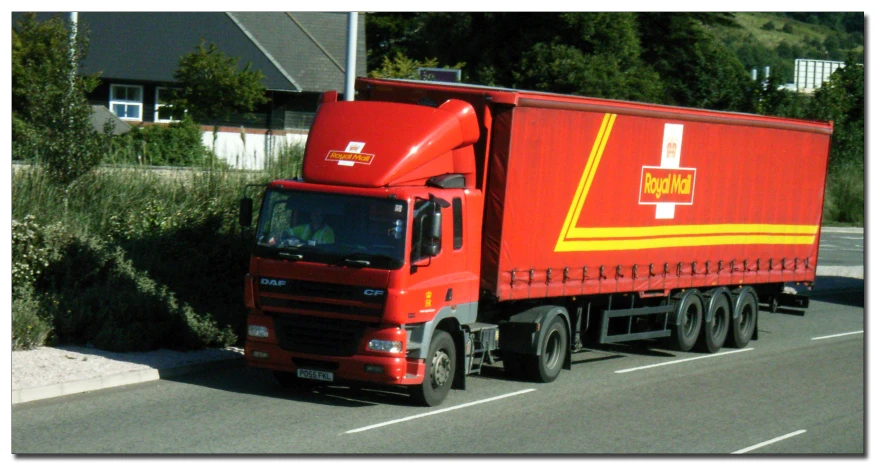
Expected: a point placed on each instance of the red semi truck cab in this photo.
(433, 218)
(395, 244)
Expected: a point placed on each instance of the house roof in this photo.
(296, 51)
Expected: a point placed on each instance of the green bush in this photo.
(30, 325)
(176, 144)
(844, 197)
(100, 297)
(768, 26)
(30, 257)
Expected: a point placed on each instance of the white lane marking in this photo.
(768, 442)
(838, 335)
(682, 360)
(852, 237)
(432, 413)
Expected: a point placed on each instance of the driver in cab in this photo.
(311, 234)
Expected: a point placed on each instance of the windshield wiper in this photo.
(361, 259)
(289, 255)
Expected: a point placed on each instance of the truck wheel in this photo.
(545, 367)
(690, 310)
(742, 327)
(715, 332)
(440, 369)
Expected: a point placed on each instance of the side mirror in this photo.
(435, 225)
(245, 218)
(429, 249)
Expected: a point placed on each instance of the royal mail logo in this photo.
(671, 149)
(349, 158)
(660, 185)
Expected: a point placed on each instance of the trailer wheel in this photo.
(545, 367)
(440, 369)
(715, 332)
(689, 318)
(742, 327)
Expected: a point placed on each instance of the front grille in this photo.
(315, 335)
(338, 291)
(322, 307)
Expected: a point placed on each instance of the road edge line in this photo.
(769, 442)
(650, 366)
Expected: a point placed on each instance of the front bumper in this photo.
(396, 370)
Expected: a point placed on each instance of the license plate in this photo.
(316, 375)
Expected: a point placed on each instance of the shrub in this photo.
(787, 28)
(769, 26)
(30, 257)
(30, 326)
(103, 299)
(844, 197)
(176, 144)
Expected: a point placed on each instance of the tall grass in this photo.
(138, 258)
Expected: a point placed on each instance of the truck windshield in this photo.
(333, 229)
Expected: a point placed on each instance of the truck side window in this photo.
(457, 223)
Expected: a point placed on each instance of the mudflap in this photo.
(522, 333)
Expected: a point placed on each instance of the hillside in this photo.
(775, 40)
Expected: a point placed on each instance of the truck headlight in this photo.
(386, 346)
(257, 331)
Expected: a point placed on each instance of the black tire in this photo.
(690, 310)
(513, 364)
(742, 327)
(440, 370)
(545, 367)
(714, 333)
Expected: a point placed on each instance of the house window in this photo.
(163, 111)
(127, 101)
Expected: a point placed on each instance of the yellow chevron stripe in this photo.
(677, 242)
(686, 230)
(586, 177)
(573, 238)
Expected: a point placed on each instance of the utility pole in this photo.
(352, 35)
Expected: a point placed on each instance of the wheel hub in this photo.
(440, 368)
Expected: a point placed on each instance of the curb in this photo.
(25, 395)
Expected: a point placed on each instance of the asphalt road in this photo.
(798, 389)
(841, 248)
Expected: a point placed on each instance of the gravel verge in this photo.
(50, 366)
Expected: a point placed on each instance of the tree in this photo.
(841, 100)
(696, 70)
(402, 67)
(50, 114)
(211, 87)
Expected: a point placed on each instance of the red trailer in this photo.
(462, 213)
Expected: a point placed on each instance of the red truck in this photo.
(441, 227)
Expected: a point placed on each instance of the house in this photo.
(300, 54)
